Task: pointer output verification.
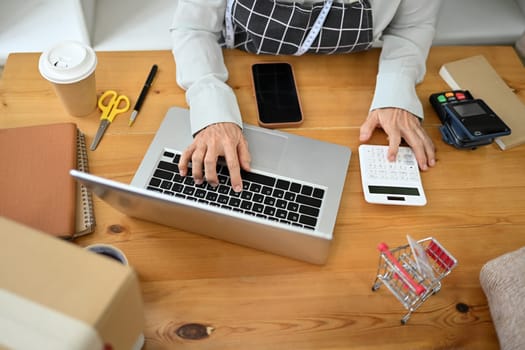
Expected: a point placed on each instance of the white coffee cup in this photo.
(70, 67)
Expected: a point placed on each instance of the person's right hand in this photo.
(221, 139)
(398, 124)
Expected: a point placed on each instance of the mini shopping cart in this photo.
(413, 272)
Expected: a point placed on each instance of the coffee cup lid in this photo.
(67, 62)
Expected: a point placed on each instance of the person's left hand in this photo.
(398, 123)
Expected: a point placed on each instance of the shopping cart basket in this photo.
(413, 272)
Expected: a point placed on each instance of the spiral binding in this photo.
(85, 214)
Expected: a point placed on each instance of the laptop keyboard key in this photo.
(267, 191)
(255, 188)
(211, 196)
(318, 193)
(307, 190)
(307, 220)
(163, 174)
(188, 190)
(281, 214)
(258, 178)
(313, 202)
(177, 187)
(246, 205)
(234, 202)
(258, 208)
(293, 217)
(268, 210)
(200, 193)
(166, 185)
(168, 166)
(304, 209)
(282, 184)
(154, 182)
(259, 198)
(223, 199)
(295, 187)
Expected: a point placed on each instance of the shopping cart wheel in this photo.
(376, 286)
(404, 320)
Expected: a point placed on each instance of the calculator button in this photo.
(377, 166)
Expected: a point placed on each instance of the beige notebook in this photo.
(481, 79)
(35, 186)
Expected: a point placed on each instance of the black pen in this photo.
(143, 94)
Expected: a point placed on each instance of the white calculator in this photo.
(386, 182)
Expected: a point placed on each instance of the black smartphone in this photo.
(276, 95)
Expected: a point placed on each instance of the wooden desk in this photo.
(256, 300)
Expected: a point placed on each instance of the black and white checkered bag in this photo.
(276, 28)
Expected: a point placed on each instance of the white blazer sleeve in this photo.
(200, 64)
(407, 39)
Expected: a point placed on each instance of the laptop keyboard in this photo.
(273, 198)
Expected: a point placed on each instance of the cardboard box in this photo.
(56, 295)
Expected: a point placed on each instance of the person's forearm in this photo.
(200, 64)
(406, 42)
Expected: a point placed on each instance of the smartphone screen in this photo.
(276, 94)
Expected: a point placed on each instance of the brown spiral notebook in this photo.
(35, 186)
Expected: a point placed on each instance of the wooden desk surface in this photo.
(256, 300)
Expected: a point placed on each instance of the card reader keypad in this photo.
(451, 96)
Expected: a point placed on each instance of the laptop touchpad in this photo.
(266, 148)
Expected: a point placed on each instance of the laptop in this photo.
(288, 205)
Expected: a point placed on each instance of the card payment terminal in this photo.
(467, 122)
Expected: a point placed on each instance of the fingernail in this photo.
(237, 188)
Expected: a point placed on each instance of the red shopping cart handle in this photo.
(383, 248)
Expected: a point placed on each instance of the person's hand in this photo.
(221, 139)
(398, 123)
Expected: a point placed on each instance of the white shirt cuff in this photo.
(396, 90)
(212, 101)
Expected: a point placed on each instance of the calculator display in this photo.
(409, 191)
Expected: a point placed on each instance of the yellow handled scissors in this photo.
(111, 104)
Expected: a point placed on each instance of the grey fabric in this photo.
(503, 281)
(269, 27)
